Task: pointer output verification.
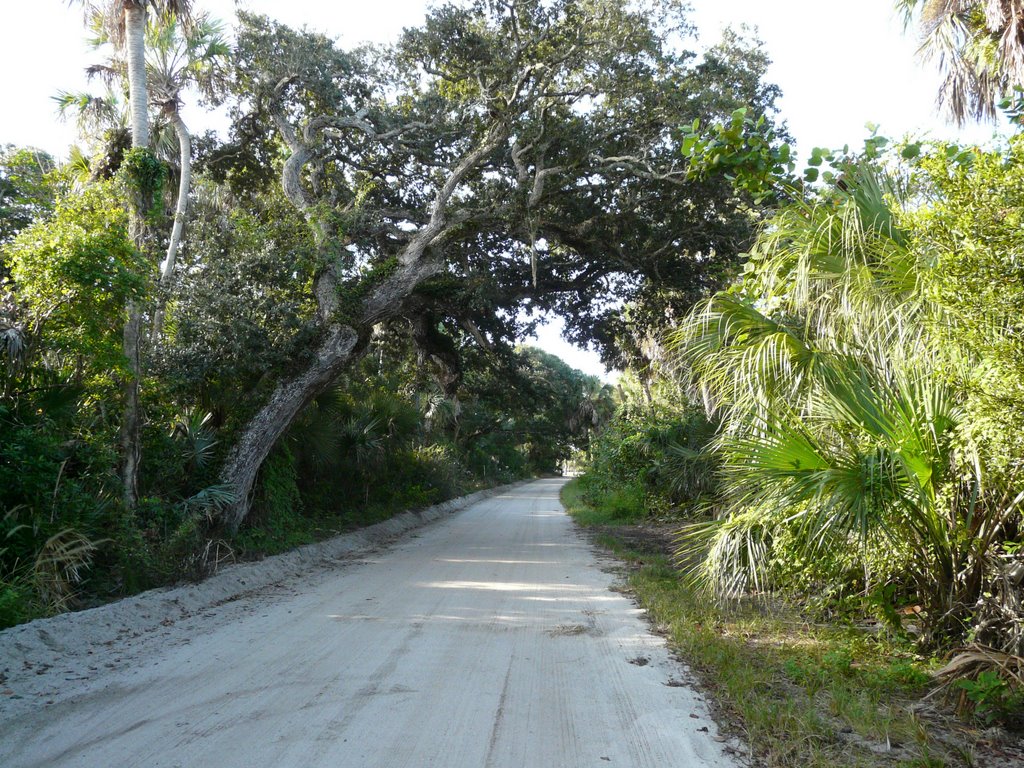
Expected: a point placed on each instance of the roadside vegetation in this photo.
(832, 445)
(798, 686)
(375, 444)
(216, 347)
(815, 478)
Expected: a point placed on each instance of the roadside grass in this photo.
(279, 533)
(799, 693)
(290, 527)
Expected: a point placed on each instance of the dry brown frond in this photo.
(60, 566)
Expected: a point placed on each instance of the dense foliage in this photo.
(326, 305)
(650, 458)
(852, 404)
(866, 386)
(216, 348)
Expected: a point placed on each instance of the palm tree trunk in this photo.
(138, 94)
(184, 185)
(131, 420)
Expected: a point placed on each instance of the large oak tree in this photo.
(503, 157)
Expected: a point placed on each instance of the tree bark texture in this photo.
(343, 343)
(131, 420)
(184, 185)
(180, 214)
(138, 95)
(341, 347)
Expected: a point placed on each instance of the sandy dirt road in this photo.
(488, 639)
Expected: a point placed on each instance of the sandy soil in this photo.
(489, 638)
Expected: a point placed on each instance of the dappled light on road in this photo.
(458, 648)
(503, 586)
(495, 562)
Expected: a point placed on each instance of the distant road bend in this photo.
(488, 639)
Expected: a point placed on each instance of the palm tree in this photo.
(103, 123)
(979, 46)
(124, 21)
(180, 56)
(840, 412)
(596, 405)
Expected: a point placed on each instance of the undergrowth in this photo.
(798, 692)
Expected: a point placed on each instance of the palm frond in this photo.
(836, 423)
(60, 566)
(728, 557)
(12, 344)
(737, 352)
(79, 164)
(978, 46)
(210, 501)
(193, 430)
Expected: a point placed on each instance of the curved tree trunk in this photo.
(341, 347)
(180, 214)
(184, 186)
(343, 343)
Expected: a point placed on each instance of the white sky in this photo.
(839, 64)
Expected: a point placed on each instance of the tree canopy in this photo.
(347, 276)
(501, 159)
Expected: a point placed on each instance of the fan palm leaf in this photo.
(978, 46)
(835, 422)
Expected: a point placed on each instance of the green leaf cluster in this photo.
(73, 274)
(854, 370)
(143, 175)
(747, 150)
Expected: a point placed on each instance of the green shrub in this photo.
(16, 604)
(652, 460)
(993, 698)
(625, 503)
(277, 522)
